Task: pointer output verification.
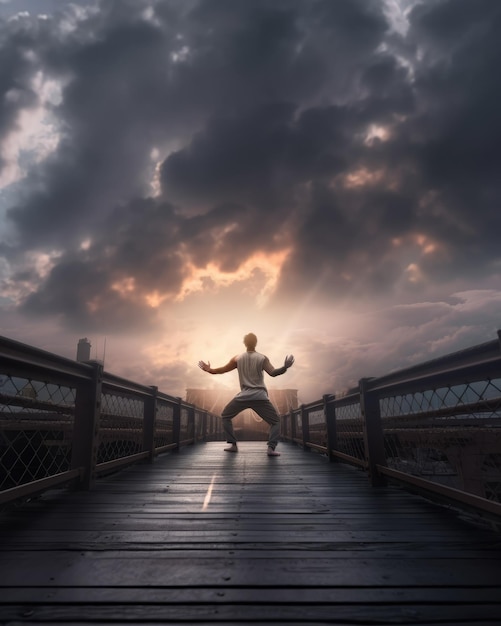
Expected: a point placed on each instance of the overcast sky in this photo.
(324, 173)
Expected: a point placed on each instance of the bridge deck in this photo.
(206, 536)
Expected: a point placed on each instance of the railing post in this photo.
(305, 427)
(176, 424)
(150, 413)
(373, 433)
(86, 426)
(204, 426)
(209, 430)
(284, 427)
(293, 425)
(191, 424)
(330, 420)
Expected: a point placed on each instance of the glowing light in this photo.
(149, 16)
(180, 55)
(208, 495)
(17, 290)
(376, 132)
(125, 286)
(260, 274)
(44, 262)
(155, 184)
(414, 273)
(397, 13)
(154, 299)
(427, 246)
(362, 177)
(157, 157)
(35, 134)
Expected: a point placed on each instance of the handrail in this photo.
(23, 357)
(81, 421)
(36, 486)
(429, 426)
(444, 365)
(460, 497)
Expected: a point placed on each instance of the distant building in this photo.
(28, 391)
(83, 350)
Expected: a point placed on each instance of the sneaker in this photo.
(232, 448)
(272, 452)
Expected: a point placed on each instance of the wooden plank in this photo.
(276, 595)
(147, 539)
(261, 613)
(122, 568)
(204, 536)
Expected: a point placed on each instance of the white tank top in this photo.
(250, 366)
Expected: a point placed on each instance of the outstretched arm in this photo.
(268, 367)
(231, 365)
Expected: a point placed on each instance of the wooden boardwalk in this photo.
(203, 536)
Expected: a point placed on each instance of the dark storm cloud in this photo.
(259, 158)
(262, 112)
(108, 124)
(460, 127)
(16, 72)
(106, 285)
(445, 154)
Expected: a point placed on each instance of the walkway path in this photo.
(204, 536)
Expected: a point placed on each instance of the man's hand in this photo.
(289, 360)
(204, 366)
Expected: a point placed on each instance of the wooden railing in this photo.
(67, 422)
(434, 428)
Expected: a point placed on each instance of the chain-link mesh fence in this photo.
(297, 425)
(450, 435)
(350, 429)
(214, 428)
(285, 427)
(317, 427)
(120, 426)
(186, 425)
(164, 424)
(201, 425)
(36, 429)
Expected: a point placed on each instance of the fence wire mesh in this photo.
(350, 430)
(297, 431)
(199, 425)
(164, 422)
(186, 426)
(450, 435)
(317, 427)
(120, 426)
(285, 427)
(36, 429)
(207, 427)
(214, 428)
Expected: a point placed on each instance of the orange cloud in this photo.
(258, 275)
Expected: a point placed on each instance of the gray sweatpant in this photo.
(265, 410)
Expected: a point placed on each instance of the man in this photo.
(253, 393)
